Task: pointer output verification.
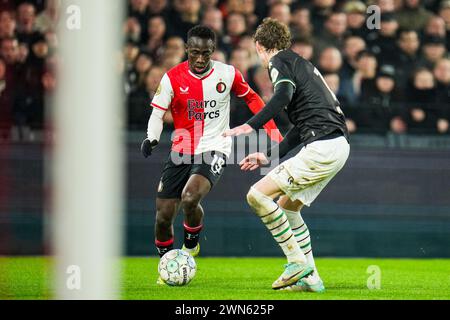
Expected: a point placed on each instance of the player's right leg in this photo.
(313, 282)
(261, 198)
(166, 212)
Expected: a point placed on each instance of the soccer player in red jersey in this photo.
(198, 93)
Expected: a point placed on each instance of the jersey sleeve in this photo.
(240, 87)
(164, 94)
(279, 71)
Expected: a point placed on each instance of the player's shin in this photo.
(302, 235)
(277, 223)
(191, 235)
(164, 246)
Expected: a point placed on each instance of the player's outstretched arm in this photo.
(154, 130)
(280, 99)
(256, 160)
(256, 104)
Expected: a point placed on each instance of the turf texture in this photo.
(247, 279)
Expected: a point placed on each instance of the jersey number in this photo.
(217, 164)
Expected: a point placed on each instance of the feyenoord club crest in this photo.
(221, 87)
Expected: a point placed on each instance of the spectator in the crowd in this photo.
(303, 47)
(441, 73)
(9, 51)
(184, 16)
(158, 7)
(301, 26)
(334, 82)
(320, 10)
(174, 47)
(386, 5)
(246, 42)
(26, 29)
(383, 42)
(281, 12)
(156, 36)
(2, 76)
(173, 53)
(48, 19)
(236, 27)
(356, 18)
(330, 60)
(131, 52)
(6, 101)
(381, 109)
(435, 27)
(139, 9)
(240, 59)
(433, 50)
(352, 46)
(142, 66)
(334, 32)
(444, 13)
(246, 8)
(365, 72)
(413, 15)
(132, 29)
(219, 55)
(209, 4)
(423, 116)
(7, 25)
(262, 84)
(213, 18)
(406, 56)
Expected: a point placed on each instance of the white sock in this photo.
(301, 233)
(277, 223)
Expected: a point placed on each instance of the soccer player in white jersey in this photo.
(197, 92)
(319, 126)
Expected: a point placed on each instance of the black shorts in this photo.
(179, 168)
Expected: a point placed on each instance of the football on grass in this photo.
(177, 268)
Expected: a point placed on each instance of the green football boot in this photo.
(307, 284)
(193, 252)
(293, 272)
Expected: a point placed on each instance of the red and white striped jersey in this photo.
(200, 106)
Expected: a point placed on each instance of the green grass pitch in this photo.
(246, 278)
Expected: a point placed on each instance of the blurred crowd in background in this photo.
(391, 78)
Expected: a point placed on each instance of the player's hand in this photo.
(253, 161)
(147, 147)
(240, 130)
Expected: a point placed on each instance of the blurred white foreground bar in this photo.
(87, 163)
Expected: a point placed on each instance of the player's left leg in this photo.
(195, 190)
(313, 282)
(261, 198)
(204, 174)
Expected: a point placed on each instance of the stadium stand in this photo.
(391, 79)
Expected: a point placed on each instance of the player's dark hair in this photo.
(202, 32)
(273, 35)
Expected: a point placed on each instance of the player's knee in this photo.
(259, 202)
(163, 221)
(252, 198)
(190, 201)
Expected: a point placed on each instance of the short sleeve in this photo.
(164, 94)
(279, 71)
(240, 87)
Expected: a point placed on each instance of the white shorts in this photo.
(303, 176)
